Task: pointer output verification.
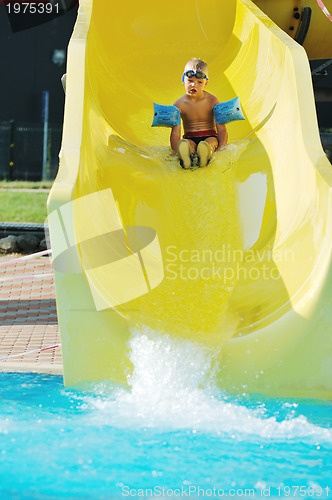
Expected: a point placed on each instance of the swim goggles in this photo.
(198, 74)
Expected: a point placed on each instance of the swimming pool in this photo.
(170, 434)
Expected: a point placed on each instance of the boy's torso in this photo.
(197, 114)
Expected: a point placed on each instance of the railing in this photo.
(21, 151)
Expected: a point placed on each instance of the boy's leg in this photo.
(205, 149)
(185, 150)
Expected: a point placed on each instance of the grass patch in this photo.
(23, 207)
(25, 185)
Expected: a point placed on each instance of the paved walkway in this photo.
(29, 336)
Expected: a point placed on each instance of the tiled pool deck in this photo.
(29, 336)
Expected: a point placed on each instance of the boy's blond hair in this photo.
(195, 63)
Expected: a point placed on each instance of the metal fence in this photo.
(21, 151)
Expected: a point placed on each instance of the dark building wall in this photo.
(324, 114)
(324, 83)
(27, 68)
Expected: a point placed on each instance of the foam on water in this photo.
(172, 387)
(170, 428)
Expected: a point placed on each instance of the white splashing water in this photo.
(172, 388)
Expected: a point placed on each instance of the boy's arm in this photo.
(222, 135)
(175, 137)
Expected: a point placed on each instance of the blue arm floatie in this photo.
(165, 116)
(228, 111)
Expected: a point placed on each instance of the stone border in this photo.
(21, 238)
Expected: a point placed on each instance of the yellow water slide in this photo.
(235, 256)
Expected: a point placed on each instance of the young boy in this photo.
(201, 133)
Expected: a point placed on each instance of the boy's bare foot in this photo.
(204, 153)
(184, 154)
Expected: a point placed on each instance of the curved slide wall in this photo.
(305, 20)
(235, 256)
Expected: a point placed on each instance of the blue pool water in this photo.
(170, 434)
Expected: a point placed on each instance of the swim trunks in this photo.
(200, 135)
